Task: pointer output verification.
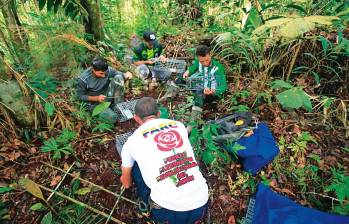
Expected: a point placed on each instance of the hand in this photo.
(162, 58)
(209, 91)
(128, 75)
(125, 182)
(186, 75)
(149, 62)
(100, 98)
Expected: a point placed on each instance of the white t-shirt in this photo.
(165, 157)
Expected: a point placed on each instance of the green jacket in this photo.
(214, 75)
(142, 53)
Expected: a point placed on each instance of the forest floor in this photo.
(97, 161)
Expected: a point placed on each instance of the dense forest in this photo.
(285, 61)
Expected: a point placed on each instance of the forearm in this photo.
(126, 177)
(93, 98)
(140, 62)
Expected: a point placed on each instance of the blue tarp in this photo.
(261, 149)
(272, 208)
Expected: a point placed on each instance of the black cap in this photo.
(149, 35)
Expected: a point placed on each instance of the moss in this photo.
(11, 96)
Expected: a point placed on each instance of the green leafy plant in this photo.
(60, 145)
(43, 83)
(293, 27)
(235, 101)
(100, 108)
(103, 127)
(293, 97)
(339, 185)
(4, 215)
(299, 144)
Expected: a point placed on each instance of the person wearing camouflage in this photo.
(100, 83)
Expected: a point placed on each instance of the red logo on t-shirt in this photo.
(168, 140)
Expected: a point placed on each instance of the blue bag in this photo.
(260, 149)
(272, 208)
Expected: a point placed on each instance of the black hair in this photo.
(145, 107)
(202, 50)
(99, 64)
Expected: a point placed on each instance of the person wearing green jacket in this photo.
(214, 82)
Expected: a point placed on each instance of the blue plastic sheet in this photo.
(260, 149)
(272, 208)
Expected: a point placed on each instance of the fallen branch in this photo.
(91, 137)
(92, 184)
(325, 196)
(59, 184)
(81, 204)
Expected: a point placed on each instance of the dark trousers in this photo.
(162, 215)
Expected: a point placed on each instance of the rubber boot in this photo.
(196, 113)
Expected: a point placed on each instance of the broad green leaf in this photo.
(83, 191)
(324, 43)
(31, 187)
(37, 207)
(280, 84)
(294, 98)
(306, 101)
(208, 157)
(50, 109)
(100, 108)
(5, 189)
(47, 219)
(237, 147)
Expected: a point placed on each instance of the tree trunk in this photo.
(94, 23)
(15, 30)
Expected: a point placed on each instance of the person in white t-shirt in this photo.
(164, 155)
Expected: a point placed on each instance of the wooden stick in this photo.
(325, 196)
(92, 184)
(81, 204)
(59, 184)
(91, 137)
(117, 201)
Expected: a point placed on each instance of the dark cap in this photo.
(149, 35)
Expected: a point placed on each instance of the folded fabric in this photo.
(272, 208)
(260, 149)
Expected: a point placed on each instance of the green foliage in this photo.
(291, 28)
(100, 108)
(72, 8)
(4, 214)
(211, 154)
(299, 144)
(47, 219)
(235, 101)
(103, 127)
(37, 207)
(43, 83)
(339, 185)
(60, 145)
(5, 189)
(50, 109)
(293, 97)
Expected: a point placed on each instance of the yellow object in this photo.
(239, 122)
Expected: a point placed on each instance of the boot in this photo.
(171, 91)
(196, 113)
